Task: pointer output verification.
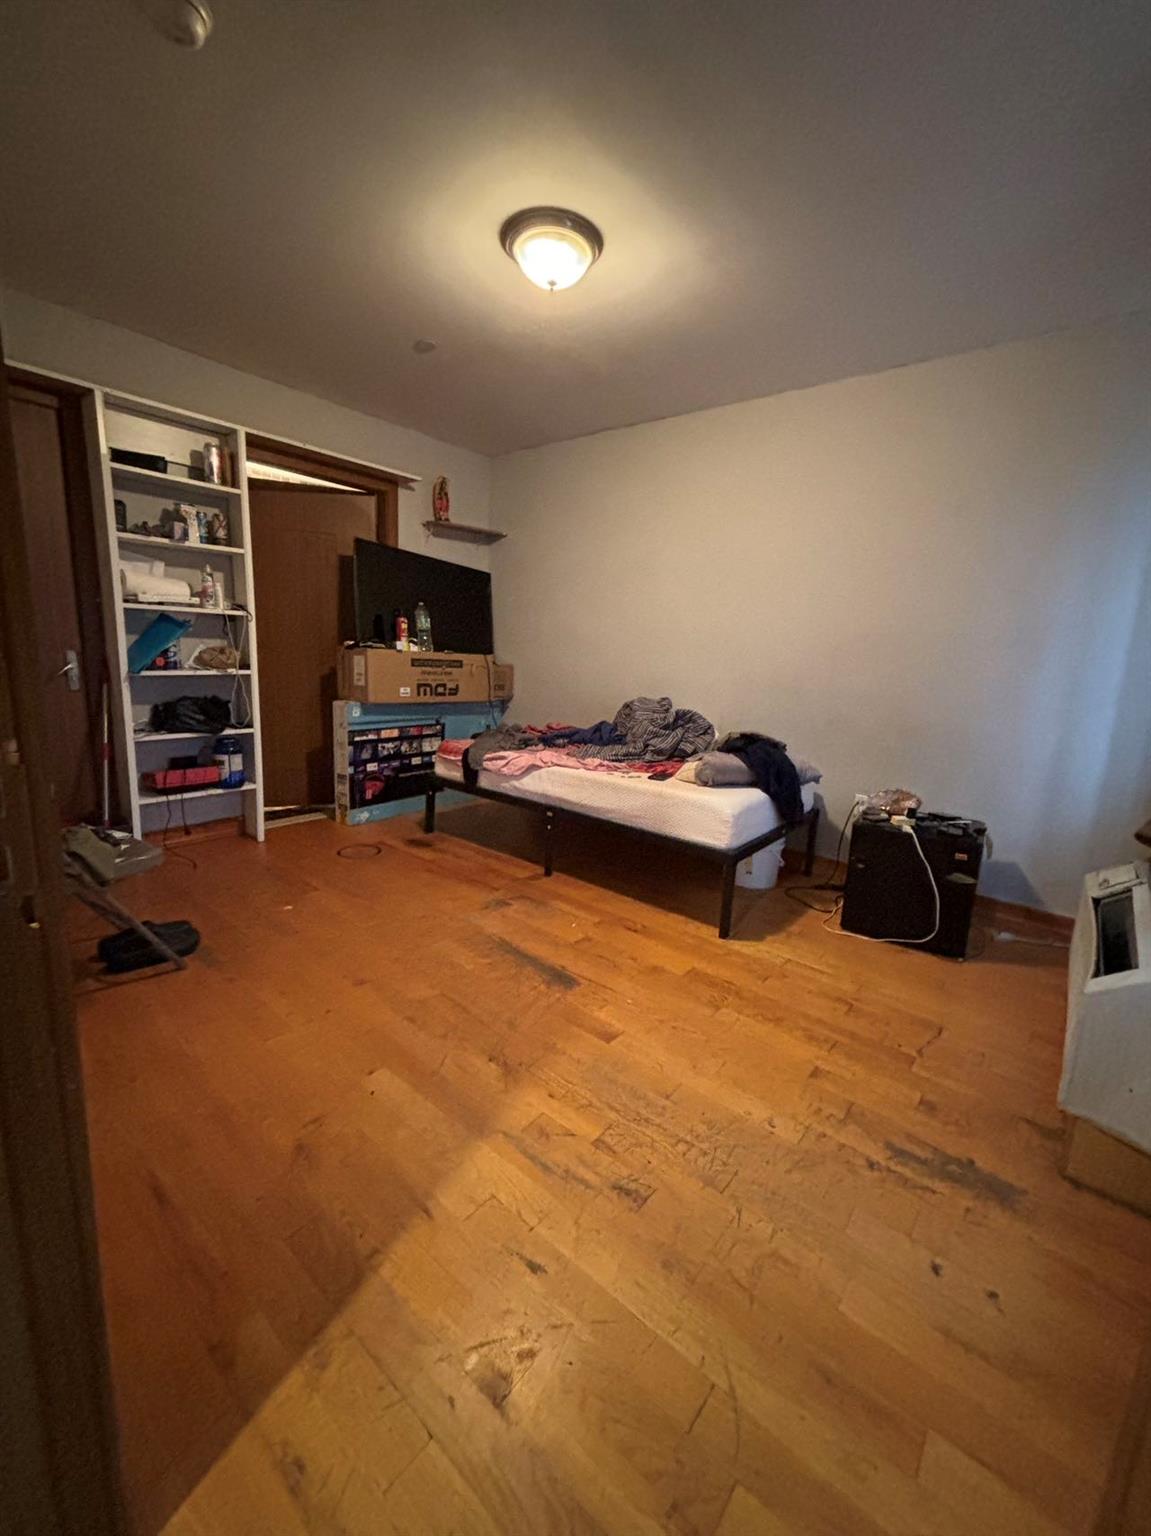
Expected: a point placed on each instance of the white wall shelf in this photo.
(470, 533)
(123, 421)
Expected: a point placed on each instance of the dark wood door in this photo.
(302, 543)
(62, 563)
(58, 1457)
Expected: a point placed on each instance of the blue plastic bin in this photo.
(163, 631)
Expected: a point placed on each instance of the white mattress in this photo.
(717, 818)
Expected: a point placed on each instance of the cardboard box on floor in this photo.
(376, 675)
(1100, 1161)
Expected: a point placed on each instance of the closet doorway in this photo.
(304, 523)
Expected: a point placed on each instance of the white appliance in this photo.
(144, 581)
(1107, 1053)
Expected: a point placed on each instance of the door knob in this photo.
(71, 670)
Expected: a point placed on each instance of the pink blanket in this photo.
(513, 765)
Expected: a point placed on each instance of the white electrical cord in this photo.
(238, 684)
(1005, 936)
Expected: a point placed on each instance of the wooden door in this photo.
(58, 1458)
(302, 544)
(62, 562)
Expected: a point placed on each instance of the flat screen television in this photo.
(458, 598)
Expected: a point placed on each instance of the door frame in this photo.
(70, 401)
(337, 473)
(61, 1473)
(385, 485)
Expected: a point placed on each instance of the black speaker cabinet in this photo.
(888, 893)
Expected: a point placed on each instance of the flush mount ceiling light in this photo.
(186, 22)
(552, 247)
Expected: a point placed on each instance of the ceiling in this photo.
(789, 192)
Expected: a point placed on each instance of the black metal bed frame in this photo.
(729, 858)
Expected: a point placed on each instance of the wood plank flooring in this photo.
(437, 1197)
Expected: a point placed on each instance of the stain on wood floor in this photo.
(437, 1197)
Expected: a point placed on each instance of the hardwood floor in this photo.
(437, 1197)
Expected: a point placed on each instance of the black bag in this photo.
(131, 951)
(208, 713)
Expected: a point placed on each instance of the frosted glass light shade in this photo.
(552, 247)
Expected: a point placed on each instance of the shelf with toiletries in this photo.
(174, 518)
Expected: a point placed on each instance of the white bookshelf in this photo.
(125, 421)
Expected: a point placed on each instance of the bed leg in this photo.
(430, 811)
(809, 850)
(549, 841)
(726, 900)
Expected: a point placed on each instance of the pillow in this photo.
(723, 770)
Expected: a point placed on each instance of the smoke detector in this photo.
(188, 23)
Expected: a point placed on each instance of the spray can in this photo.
(212, 463)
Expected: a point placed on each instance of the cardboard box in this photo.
(380, 760)
(376, 675)
(1111, 1167)
(368, 738)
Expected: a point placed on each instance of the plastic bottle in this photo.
(423, 627)
(229, 759)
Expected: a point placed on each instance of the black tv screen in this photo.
(458, 598)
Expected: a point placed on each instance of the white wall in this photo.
(63, 341)
(937, 577)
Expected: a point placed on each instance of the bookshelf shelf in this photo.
(191, 490)
(153, 541)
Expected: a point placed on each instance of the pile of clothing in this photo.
(644, 732)
(744, 759)
(649, 737)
